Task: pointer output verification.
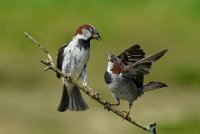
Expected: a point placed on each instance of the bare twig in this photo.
(151, 128)
(41, 47)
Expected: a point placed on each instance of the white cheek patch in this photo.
(86, 34)
(109, 67)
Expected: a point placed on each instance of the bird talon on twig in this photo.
(68, 76)
(95, 94)
(107, 106)
(126, 114)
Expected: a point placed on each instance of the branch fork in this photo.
(151, 128)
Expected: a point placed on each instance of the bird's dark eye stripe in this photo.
(91, 29)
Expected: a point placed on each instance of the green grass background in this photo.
(29, 96)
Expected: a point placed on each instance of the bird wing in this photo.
(60, 59)
(142, 66)
(130, 56)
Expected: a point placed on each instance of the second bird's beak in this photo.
(110, 56)
(96, 36)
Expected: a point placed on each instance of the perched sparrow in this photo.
(72, 60)
(125, 74)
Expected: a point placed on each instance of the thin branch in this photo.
(151, 128)
(41, 47)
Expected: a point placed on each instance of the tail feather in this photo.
(74, 102)
(153, 85)
(64, 102)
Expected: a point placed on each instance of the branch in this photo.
(151, 128)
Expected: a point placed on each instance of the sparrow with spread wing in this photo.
(125, 75)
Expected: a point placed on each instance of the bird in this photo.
(125, 75)
(72, 60)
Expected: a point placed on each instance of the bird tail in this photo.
(153, 85)
(73, 102)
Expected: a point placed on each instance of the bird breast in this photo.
(75, 59)
(123, 88)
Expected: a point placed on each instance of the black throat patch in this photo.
(84, 44)
(107, 77)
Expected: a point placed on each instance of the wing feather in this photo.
(60, 59)
(143, 66)
(130, 56)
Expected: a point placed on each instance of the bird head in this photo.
(87, 32)
(111, 57)
(115, 65)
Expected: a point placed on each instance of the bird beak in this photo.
(109, 56)
(96, 36)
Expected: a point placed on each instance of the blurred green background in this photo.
(29, 97)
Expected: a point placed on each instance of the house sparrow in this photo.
(72, 60)
(125, 75)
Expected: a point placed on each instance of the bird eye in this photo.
(93, 30)
(90, 29)
(111, 57)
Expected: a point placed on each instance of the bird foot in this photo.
(126, 114)
(68, 76)
(107, 106)
(94, 94)
(85, 83)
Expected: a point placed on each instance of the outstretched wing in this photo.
(142, 66)
(130, 56)
(60, 59)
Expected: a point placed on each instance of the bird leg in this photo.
(126, 116)
(94, 94)
(107, 105)
(68, 76)
(85, 83)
